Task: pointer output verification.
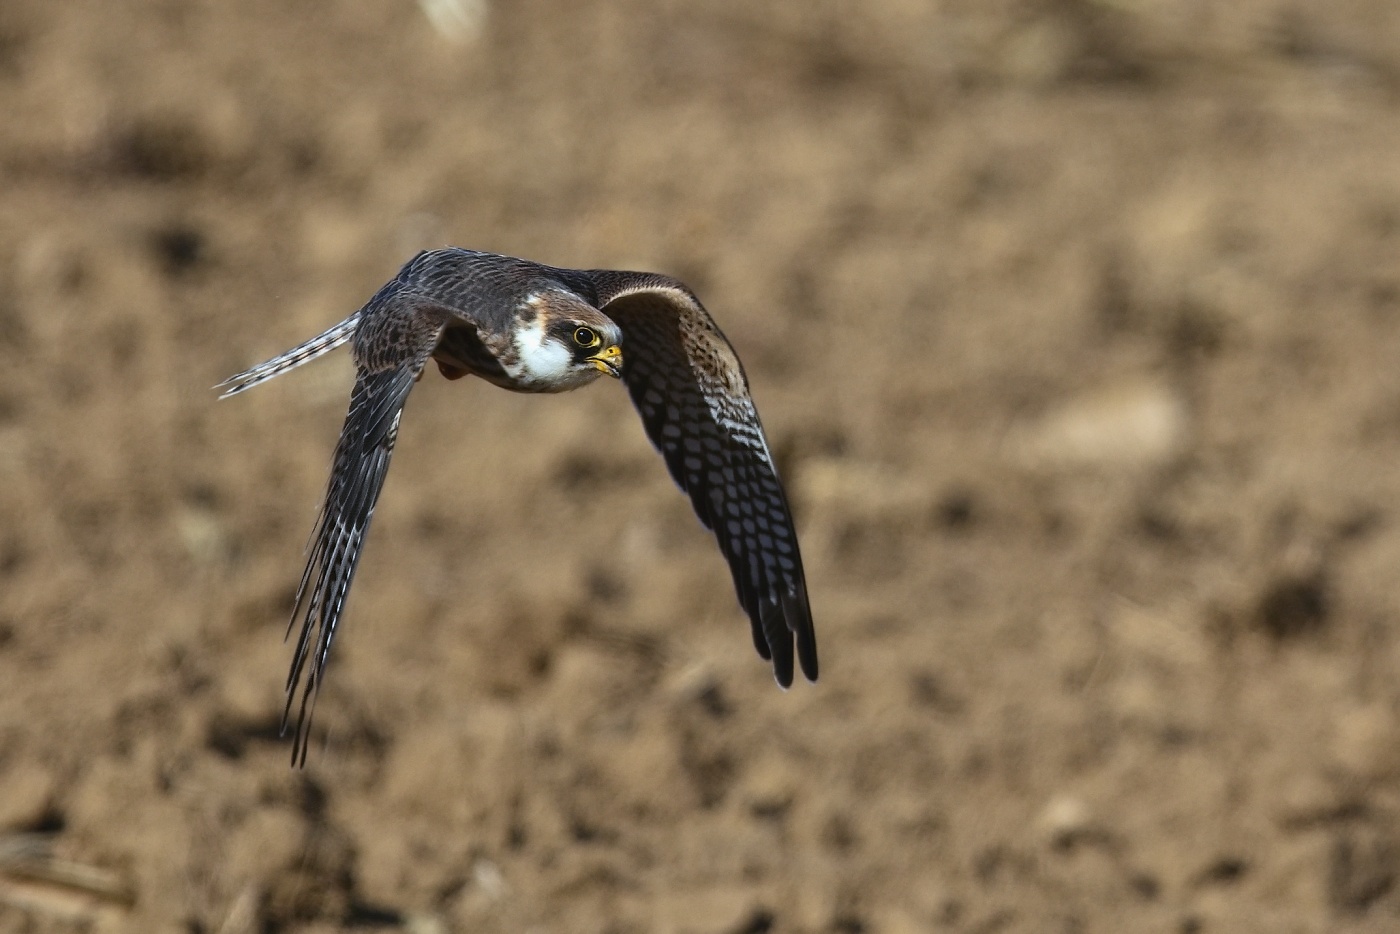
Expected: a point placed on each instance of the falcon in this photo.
(528, 327)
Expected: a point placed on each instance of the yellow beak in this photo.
(608, 361)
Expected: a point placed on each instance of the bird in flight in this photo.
(528, 327)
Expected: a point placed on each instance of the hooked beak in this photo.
(608, 361)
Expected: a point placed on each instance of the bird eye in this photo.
(585, 337)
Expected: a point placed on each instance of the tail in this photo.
(310, 350)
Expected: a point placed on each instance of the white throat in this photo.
(540, 360)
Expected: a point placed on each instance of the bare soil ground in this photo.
(1075, 326)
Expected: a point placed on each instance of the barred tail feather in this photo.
(310, 350)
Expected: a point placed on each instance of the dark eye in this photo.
(585, 337)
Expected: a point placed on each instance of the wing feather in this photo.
(392, 345)
(690, 390)
(357, 478)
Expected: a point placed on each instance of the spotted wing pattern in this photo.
(392, 345)
(690, 389)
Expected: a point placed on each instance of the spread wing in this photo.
(690, 389)
(394, 338)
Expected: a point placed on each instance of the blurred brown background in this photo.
(1075, 325)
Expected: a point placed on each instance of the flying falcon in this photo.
(528, 327)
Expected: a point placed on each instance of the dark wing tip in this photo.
(760, 641)
(301, 737)
(778, 634)
(799, 617)
(807, 654)
(778, 625)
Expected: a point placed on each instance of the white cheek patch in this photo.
(540, 359)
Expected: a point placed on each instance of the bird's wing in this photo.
(689, 387)
(395, 337)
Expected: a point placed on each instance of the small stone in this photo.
(458, 21)
(1133, 425)
(694, 681)
(203, 534)
(487, 876)
(768, 788)
(1065, 821)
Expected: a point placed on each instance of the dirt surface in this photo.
(1075, 327)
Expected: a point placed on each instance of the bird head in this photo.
(566, 342)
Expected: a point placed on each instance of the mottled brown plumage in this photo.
(528, 327)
